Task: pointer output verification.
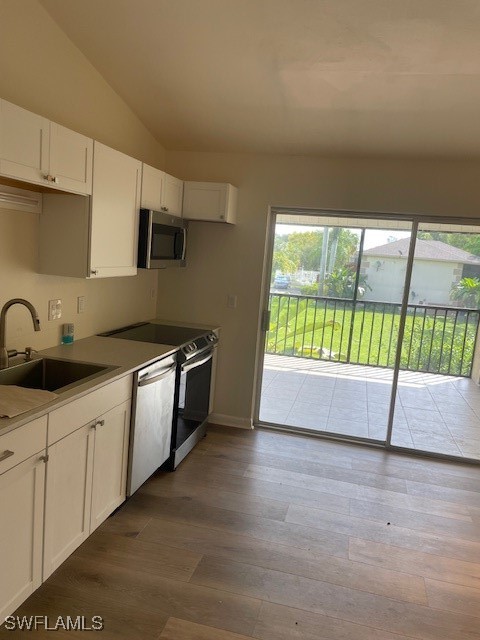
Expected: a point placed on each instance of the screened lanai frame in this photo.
(354, 217)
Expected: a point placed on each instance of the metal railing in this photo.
(436, 339)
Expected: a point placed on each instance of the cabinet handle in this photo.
(94, 272)
(44, 458)
(164, 208)
(6, 454)
(50, 178)
(99, 423)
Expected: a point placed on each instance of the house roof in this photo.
(424, 250)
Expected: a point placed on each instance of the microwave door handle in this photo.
(144, 381)
(149, 240)
(191, 365)
(184, 243)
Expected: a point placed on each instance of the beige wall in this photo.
(41, 70)
(224, 259)
(109, 302)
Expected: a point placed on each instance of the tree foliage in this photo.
(467, 291)
(469, 242)
(304, 250)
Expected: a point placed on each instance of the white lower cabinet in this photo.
(52, 498)
(86, 477)
(68, 496)
(22, 493)
(110, 463)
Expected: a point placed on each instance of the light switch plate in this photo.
(232, 301)
(81, 301)
(54, 309)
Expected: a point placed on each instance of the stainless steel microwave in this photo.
(162, 240)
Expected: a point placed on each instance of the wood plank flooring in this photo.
(281, 537)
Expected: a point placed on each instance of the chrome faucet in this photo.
(4, 354)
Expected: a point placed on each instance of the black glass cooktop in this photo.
(157, 333)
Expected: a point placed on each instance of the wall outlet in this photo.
(54, 309)
(81, 302)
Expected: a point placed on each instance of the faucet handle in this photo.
(29, 351)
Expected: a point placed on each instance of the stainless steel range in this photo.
(193, 379)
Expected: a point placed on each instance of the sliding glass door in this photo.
(437, 406)
(334, 318)
(372, 331)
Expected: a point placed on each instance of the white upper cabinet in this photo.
(71, 156)
(94, 237)
(210, 201)
(24, 144)
(114, 214)
(35, 150)
(161, 191)
(172, 196)
(152, 188)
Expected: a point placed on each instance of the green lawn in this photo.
(309, 328)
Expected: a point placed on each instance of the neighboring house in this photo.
(437, 267)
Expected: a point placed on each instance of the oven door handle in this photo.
(144, 381)
(188, 366)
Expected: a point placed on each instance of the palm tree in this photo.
(467, 291)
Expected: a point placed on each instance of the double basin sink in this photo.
(50, 374)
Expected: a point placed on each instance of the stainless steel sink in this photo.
(51, 375)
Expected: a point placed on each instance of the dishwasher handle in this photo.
(142, 382)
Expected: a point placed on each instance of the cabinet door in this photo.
(172, 195)
(24, 144)
(71, 156)
(114, 214)
(22, 491)
(110, 463)
(210, 201)
(68, 496)
(152, 188)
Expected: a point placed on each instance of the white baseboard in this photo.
(230, 421)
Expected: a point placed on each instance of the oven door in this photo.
(192, 404)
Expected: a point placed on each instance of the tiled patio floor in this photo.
(434, 413)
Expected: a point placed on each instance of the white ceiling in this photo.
(324, 77)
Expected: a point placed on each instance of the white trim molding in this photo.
(20, 199)
(230, 421)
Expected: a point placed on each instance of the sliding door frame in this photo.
(264, 319)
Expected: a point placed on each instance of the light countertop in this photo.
(126, 355)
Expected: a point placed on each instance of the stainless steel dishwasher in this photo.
(152, 418)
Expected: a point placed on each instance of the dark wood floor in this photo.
(281, 537)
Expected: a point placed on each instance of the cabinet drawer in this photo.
(78, 412)
(20, 444)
